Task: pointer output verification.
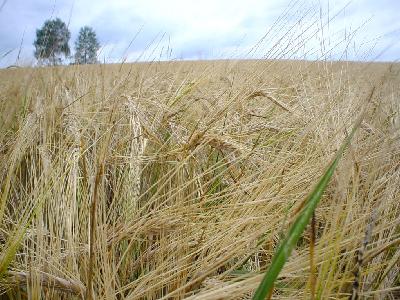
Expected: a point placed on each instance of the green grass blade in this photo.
(284, 250)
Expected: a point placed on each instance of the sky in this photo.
(131, 30)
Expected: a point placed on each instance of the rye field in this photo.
(173, 180)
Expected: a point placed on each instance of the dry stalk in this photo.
(47, 281)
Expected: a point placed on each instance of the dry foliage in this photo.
(179, 179)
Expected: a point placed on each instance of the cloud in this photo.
(204, 29)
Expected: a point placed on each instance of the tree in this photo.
(86, 46)
(52, 41)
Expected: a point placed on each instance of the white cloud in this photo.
(203, 29)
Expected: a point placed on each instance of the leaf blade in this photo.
(284, 250)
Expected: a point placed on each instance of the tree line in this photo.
(52, 43)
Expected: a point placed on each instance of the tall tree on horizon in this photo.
(86, 46)
(52, 42)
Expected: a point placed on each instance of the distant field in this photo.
(179, 179)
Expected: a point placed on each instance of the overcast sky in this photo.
(185, 29)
